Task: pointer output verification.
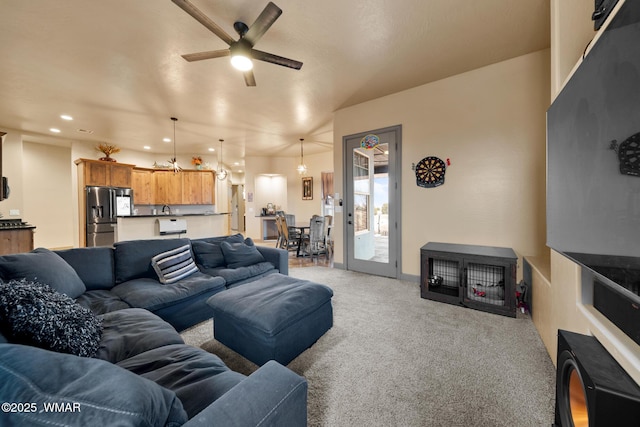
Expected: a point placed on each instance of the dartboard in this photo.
(430, 172)
(629, 155)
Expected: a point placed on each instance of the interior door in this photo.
(372, 201)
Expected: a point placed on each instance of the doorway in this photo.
(372, 201)
(237, 208)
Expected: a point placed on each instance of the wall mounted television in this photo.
(593, 164)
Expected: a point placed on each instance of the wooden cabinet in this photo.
(480, 277)
(188, 187)
(197, 187)
(110, 174)
(167, 188)
(16, 241)
(142, 186)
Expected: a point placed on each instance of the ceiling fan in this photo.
(241, 50)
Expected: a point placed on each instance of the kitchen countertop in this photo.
(161, 215)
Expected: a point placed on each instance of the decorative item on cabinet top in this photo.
(107, 150)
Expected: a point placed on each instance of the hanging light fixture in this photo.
(302, 168)
(221, 174)
(174, 160)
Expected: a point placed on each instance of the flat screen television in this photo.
(593, 162)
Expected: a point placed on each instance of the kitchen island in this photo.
(138, 227)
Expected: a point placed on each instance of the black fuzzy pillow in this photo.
(34, 314)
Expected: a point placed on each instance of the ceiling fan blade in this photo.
(249, 78)
(275, 59)
(199, 56)
(204, 20)
(266, 19)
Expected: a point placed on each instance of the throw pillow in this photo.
(241, 254)
(34, 314)
(208, 253)
(43, 266)
(173, 265)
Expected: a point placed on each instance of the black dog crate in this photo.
(480, 277)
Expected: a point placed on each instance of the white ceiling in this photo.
(115, 66)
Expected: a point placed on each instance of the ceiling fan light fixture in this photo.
(241, 63)
(241, 56)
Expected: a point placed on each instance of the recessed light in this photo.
(146, 147)
(66, 117)
(240, 171)
(166, 139)
(212, 149)
(54, 130)
(236, 163)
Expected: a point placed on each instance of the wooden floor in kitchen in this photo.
(300, 261)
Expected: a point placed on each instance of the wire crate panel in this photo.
(485, 283)
(448, 270)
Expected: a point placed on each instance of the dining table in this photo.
(301, 227)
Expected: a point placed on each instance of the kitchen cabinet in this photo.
(479, 277)
(142, 185)
(167, 188)
(197, 187)
(101, 173)
(16, 241)
(189, 187)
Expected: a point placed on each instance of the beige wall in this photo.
(292, 201)
(490, 123)
(560, 293)
(48, 201)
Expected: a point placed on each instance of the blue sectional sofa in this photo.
(90, 336)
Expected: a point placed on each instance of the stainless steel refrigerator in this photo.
(104, 205)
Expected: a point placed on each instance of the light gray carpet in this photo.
(395, 359)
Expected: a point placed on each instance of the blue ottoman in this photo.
(276, 317)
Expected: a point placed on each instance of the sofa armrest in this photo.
(276, 256)
(271, 396)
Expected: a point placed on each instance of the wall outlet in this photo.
(14, 212)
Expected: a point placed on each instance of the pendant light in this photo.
(302, 168)
(174, 160)
(221, 174)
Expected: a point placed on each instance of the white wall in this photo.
(490, 123)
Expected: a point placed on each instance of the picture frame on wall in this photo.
(307, 188)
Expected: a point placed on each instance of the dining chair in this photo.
(280, 234)
(289, 242)
(328, 240)
(315, 243)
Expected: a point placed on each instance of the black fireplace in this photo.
(592, 389)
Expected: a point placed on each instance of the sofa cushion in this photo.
(132, 258)
(149, 294)
(33, 313)
(94, 265)
(196, 376)
(98, 392)
(239, 274)
(45, 267)
(241, 254)
(127, 333)
(208, 253)
(174, 265)
(101, 301)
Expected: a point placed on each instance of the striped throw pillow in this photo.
(174, 265)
